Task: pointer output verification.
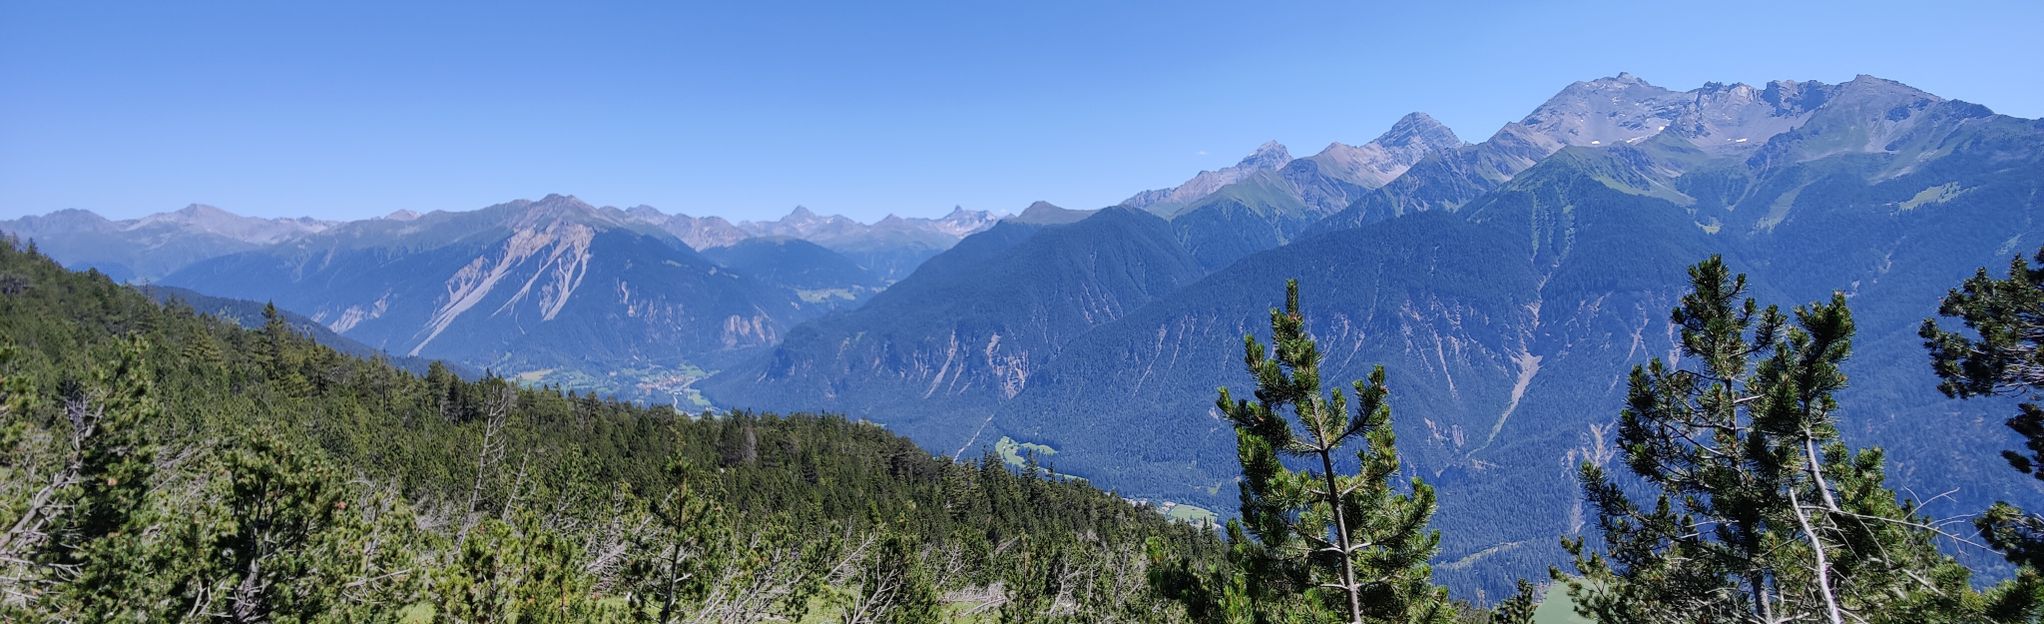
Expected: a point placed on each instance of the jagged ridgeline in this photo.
(165, 465)
(1507, 286)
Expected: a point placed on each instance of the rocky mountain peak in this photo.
(555, 204)
(1864, 115)
(1605, 111)
(203, 211)
(1881, 91)
(1621, 82)
(1374, 164)
(1794, 95)
(1046, 213)
(1269, 155)
(961, 222)
(1733, 117)
(557, 208)
(206, 219)
(66, 220)
(1419, 130)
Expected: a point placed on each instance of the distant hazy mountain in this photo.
(553, 291)
(891, 247)
(152, 246)
(526, 288)
(818, 275)
(697, 232)
(1165, 202)
(1263, 207)
(1507, 285)
(1321, 183)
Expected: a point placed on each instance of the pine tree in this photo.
(894, 587)
(505, 573)
(1761, 514)
(2003, 356)
(280, 354)
(1517, 609)
(98, 515)
(202, 353)
(286, 507)
(1038, 585)
(671, 563)
(1355, 542)
(1215, 593)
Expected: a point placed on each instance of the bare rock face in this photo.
(1783, 121)
(1605, 111)
(961, 223)
(1268, 157)
(1376, 163)
(1726, 118)
(553, 290)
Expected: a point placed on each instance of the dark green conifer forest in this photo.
(161, 465)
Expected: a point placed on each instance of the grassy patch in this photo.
(1016, 453)
(821, 295)
(1190, 514)
(1934, 195)
(1557, 608)
(642, 383)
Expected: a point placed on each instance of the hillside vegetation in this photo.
(162, 465)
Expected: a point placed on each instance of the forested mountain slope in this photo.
(161, 463)
(969, 328)
(253, 315)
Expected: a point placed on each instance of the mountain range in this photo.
(146, 249)
(1507, 285)
(151, 247)
(553, 291)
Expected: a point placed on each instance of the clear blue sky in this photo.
(352, 109)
